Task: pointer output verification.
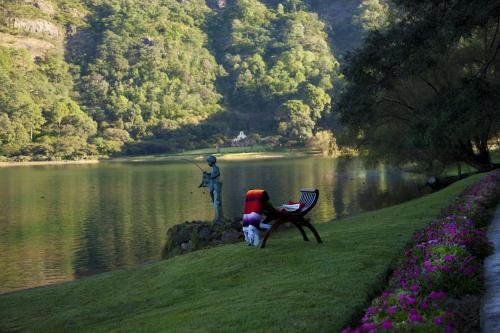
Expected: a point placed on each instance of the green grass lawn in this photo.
(291, 286)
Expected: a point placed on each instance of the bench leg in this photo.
(304, 236)
(268, 233)
(316, 234)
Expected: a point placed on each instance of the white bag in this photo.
(252, 235)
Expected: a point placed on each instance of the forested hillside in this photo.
(82, 78)
(408, 83)
(280, 69)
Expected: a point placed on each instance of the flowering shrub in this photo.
(444, 261)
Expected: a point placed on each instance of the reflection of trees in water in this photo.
(43, 215)
(385, 188)
(131, 210)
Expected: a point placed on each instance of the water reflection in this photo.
(58, 223)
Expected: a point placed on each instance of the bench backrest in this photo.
(309, 196)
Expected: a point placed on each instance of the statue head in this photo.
(211, 160)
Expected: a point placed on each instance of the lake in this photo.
(59, 223)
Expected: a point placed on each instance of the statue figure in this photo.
(212, 181)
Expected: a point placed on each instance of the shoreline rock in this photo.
(191, 236)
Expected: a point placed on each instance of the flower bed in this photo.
(443, 264)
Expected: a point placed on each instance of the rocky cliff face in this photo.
(48, 23)
(36, 26)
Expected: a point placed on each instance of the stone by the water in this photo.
(191, 236)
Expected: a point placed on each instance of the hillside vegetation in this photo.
(407, 84)
(84, 78)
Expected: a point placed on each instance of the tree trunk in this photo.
(480, 160)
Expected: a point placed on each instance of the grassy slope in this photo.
(291, 286)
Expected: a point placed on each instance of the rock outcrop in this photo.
(36, 26)
(191, 236)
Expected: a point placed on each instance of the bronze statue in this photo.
(212, 181)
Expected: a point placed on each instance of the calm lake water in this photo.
(59, 223)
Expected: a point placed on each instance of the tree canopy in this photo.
(164, 75)
(273, 59)
(423, 89)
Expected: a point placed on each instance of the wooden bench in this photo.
(308, 196)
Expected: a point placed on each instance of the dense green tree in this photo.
(294, 120)
(36, 108)
(317, 99)
(151, 64)
(373, 15)
(271, 57)
(424, 90)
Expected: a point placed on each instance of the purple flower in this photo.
(369, 326)
(437, 295)
(415, 287)
(446, 269)
(387, 324)
(438, 320)
(414, 315)
(448, 258)
(372, 310)
(391, 309)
